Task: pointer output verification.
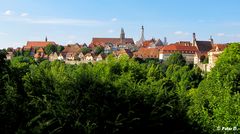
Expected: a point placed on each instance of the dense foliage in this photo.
(216, 103)
(118, 96)
(98, 50)
(51, 48)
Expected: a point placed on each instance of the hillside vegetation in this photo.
(119, 96)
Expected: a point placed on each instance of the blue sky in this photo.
(77, 21)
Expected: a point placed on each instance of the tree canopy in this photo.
(50, 48)
(98, 50)
(85, 50)
(119, 96)
(216, 103)
(176, 58)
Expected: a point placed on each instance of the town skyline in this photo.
(80, 21)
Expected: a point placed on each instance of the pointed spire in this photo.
(142, 34)
(46, 39)
(165, 41)
(194, 39)
(211, 39)
(122, 31)
(122, 35)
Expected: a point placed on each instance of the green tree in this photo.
(98, 50)
(3, 68)
(59, 48)
(118, 95)
(176, 58)
(26, 53)
(85, 50)
(216, 101)
(50, 48)
(17, 53)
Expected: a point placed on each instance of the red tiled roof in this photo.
(147, 53)
(220, 47)
(35, 44)
(147, 43)
(123, 52)
(179, 48)
(71, 49)
(103, 41)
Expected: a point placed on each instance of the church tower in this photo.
(142, 35)
(46, 39)
(122, 36)
(211, 40)
(165, 41)
(194, 39)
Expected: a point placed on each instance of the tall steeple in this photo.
(142, 35)
(46, 39)
(165, 41)
(194, 39)
(211, 39)
(122, 35)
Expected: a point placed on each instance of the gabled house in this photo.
(9, 55)
(60, 57)
(101, 57)
(108, 48)
(215, 53)
(53, 56)
(89, 57)
(123, 52)
(188, 52)
(81, 56)
(147, 53)
(71, 52)
(39, 53)
(153, 43)
(72, 56)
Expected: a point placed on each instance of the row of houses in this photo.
(194, 52)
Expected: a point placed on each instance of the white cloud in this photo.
(114, 19)
(8, 13)
(110, 31)
(181, 33)
(220, 34)
(24, 14)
